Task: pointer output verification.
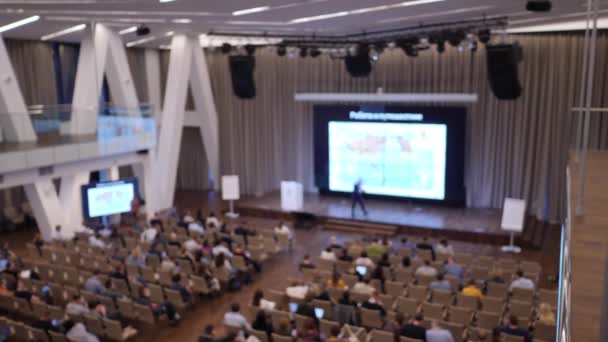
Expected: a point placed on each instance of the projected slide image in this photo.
(394, 159)
(111, 199)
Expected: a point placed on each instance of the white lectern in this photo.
(230, 192)
(513, 216)
(292, 196)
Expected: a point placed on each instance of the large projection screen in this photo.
(412, 153)
(108, 198)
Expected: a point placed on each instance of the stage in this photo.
(388, 217)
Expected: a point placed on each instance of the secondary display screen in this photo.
(108, 198)
(395, 151)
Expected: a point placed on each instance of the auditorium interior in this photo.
(303, 170)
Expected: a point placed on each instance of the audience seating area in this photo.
(402, 291)
(65, 266)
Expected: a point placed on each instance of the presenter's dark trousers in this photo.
(358, 200)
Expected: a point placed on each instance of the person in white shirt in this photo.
(328, 254)
(220, 248)
(364, 260)
(212, 221)
(234, 318)
(96, 241)
(363, 287)
(148, 235)
(77, 306)
(192, 245)
(168, 265)
(283, 229)
(78, 333)
(522, 282)
(438, 334)
(444, 248)
(427, 270)
(188, 217)
(262, 303)
(195, 227)
(84, 229)
(58, 235)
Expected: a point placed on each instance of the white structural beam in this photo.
(15, 122)
(169, 142)
(187, 66)
(152, 67)
(386, 98)
(205, 105)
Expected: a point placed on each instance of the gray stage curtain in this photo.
(514, 148)
(33, 65)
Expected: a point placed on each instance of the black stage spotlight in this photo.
(484, 36)
(142, 30)
(315, 52)
(303, 52)
(410, 50)
(226, 48)
(281, 50)
(455, 37)
(538, 6)
(440, 46)
(250, 49)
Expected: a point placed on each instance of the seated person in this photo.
(94, 284)
(136, 257)
(212, 221)
(240, 251)
(184, 291)
(453, 269)
(375, 249)
(260, 302)
(306, 262)
(345, 257)
(511, 327)
(374, 303)
(545, 314)
(296, 290)
(77, 306)
(472, 290)
(263, 323)
(414, 329)
(234, 318)
(328, 254)
(406, 262)
(345, 299)
(167, 265)
(195, 227)
(282, 228)
(158, 309)
(96, 241)
(363, 286)
(78, 332)
(119, 272)
(426, 270)
(425, 244)
(219, 248)
(148, 235)
(188, 218)
(45, 323)
(306, 309)
(58, 235)
(310, 333)
(438, 334)
(521, 282)
(23, 292)
(441, 284)
(210, 335)
(336, 281)
(384, 261)
(364, 260)
(322, 293)
(444, 248)
(333, 243)
(5, 289)
(193, 244)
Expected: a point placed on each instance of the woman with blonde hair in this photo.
(545, 314)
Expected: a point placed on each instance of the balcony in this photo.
(112, 130)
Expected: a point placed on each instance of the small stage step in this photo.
(361, 227)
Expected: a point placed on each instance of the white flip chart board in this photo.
(230, 188)
(513, 215)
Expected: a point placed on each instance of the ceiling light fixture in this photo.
(575, 25)
(361, 11)
(128, 30)
(64, 32)
(251, 10)
(19, 23)
(163, 1)
(181, 21)
(141, 41)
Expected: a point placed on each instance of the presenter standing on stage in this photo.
(358, 197)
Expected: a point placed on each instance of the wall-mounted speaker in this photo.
(502, 61)
(241, 72)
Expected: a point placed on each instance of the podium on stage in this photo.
(292, 196)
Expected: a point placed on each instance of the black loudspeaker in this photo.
(502, 63)
(241, 72)
(538, 6)
(358, 65)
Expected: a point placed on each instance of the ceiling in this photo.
(294, 17)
